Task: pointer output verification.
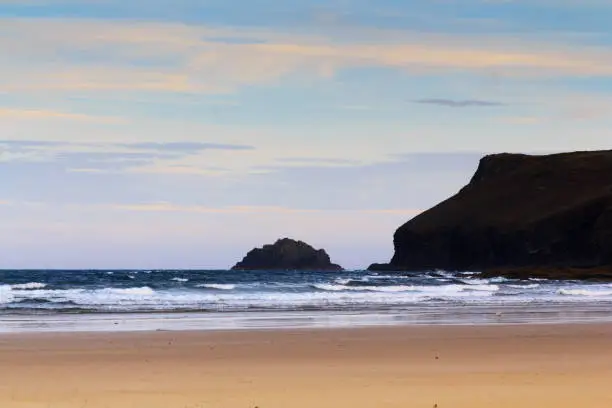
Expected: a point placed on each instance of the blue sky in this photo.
(180, 134)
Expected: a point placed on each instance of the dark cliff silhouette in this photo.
(519, 216)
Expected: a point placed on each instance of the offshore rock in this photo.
(287, 254)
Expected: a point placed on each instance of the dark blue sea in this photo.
(143, 291)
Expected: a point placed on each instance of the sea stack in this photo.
(287, 254)
(519, 216)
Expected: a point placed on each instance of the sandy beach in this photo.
(455, 367)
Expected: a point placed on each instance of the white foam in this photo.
(218, 286)
(106, 296)
(394, 277)
(585, 292)
(443, 289)
(180, 280)
(471, 281)
(337, 288)
(346, 281)
(9, 293)
(6, 294)
(342, 292)
(142, 291)
(30, 285)
(483, 288)
(528, 286)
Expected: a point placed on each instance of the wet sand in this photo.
(413, 366)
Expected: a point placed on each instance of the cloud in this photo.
(108, 160)
(161, 146)
(104, 157)
(451, 103)
(184, 146)
(322, 161)
(174, 147)
(401, 184)
(169, 207)
(93, 55)
(30, 144)
(33, 114)
(522, 120)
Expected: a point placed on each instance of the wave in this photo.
(337, 288)
(9, 293)
(406, 288)
(104, 297)
(499, 279)
(527, 286)
(585, 292)
(97, 292)
(30, 285)
(474, 281)
(347, 281)
(6, 294)
(483, 288)
(224, 298)
(218, 286)
(142, 291)
(387, 277)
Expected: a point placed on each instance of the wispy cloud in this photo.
(322, 161)
(173, 147)
(195, 59)
(33, 114)
(184, 146)
(169, 207)
(104, 157)
(452, 103)
(247, 209)
(522, 120)
(30, 144)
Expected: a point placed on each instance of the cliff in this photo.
(519, 216)
(287, 254)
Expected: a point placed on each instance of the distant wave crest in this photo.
(585, 292)
(218, 286)
(27, 286)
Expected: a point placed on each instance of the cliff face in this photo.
(518, 211)
(287, 254)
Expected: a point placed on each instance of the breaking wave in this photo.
(218, 291)
(218, 286)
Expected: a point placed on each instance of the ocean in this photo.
(348, 297)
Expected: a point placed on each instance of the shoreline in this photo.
(557, 365)
(475, 315)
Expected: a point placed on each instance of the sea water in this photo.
(234, 299)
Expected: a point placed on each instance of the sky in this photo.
(181, 134)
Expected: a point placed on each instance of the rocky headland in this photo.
(287, 254)
(520, 216)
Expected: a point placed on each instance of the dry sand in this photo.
(448, 367)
